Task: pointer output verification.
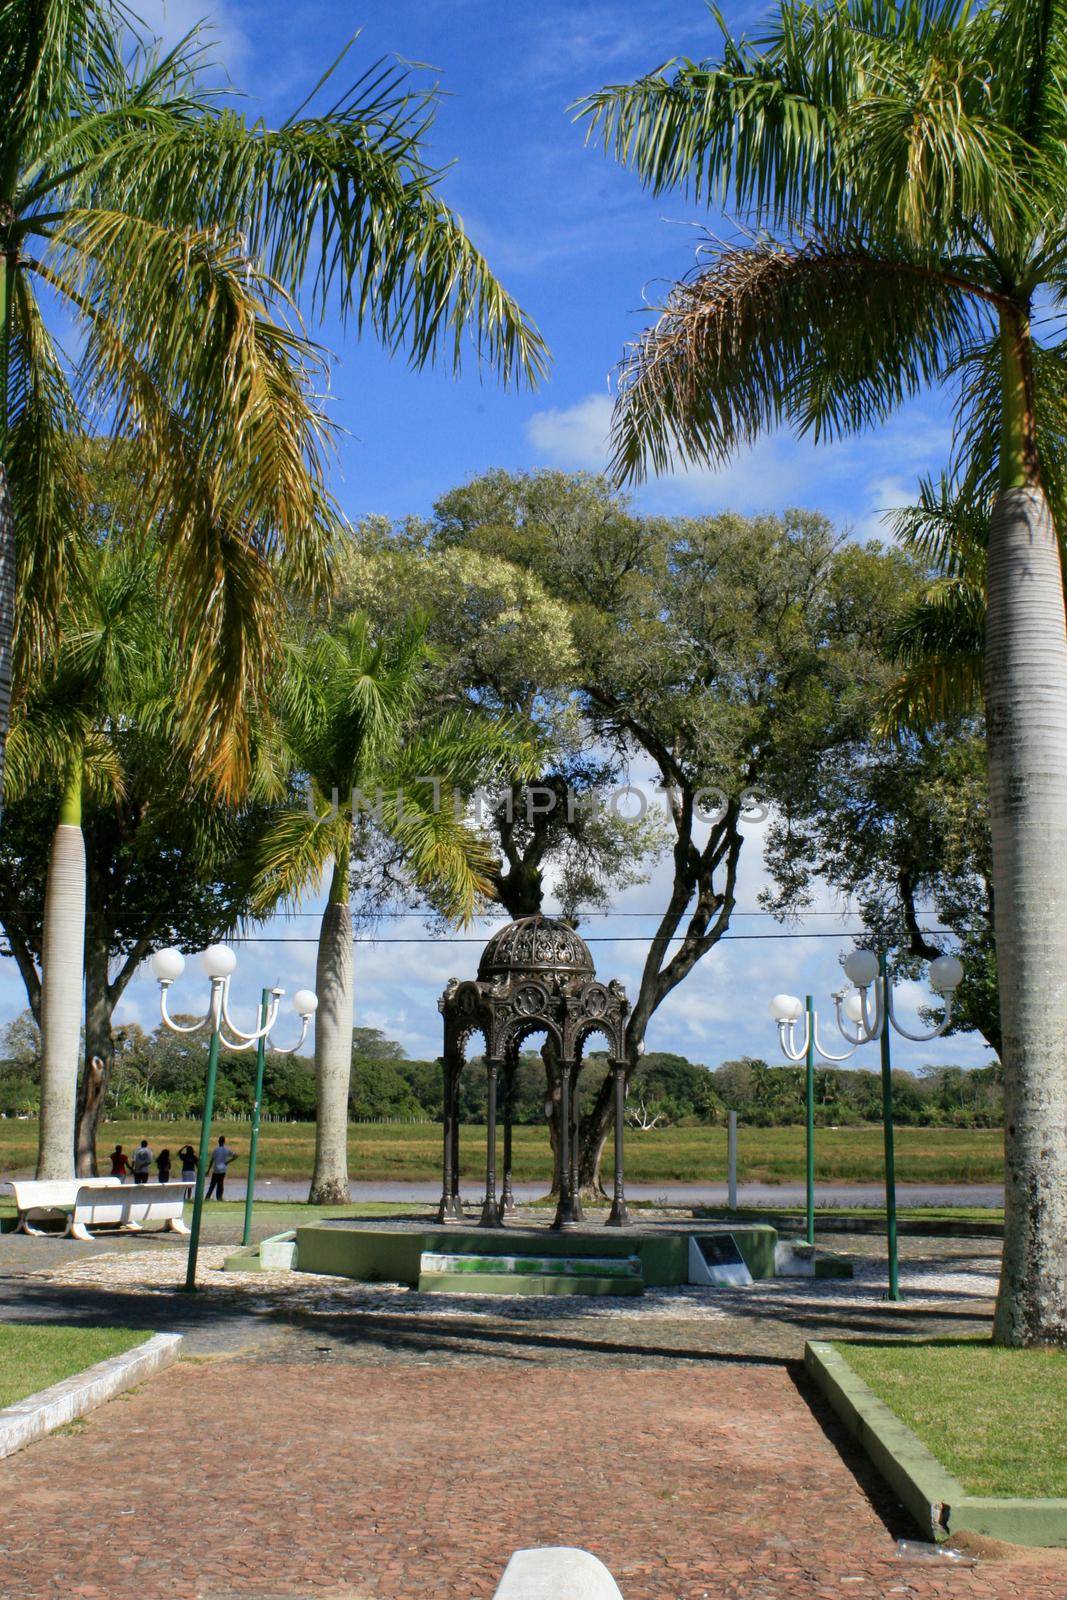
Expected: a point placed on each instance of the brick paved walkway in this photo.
(386, 1482)
(387, 1450)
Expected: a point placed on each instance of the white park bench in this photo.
(51, 1196)
(100, 1202)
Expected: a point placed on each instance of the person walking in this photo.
(221, 1157)
(120, 1163)
(142, 1162)
(163, 1166)
(189, 1164)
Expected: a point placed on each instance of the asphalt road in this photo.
(748, 1194)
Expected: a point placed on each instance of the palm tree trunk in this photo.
(1026, 712)
(333, 1042)
(62, 951)
(7, 616)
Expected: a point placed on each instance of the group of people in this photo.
(139, 1165)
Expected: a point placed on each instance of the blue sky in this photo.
(583, 249)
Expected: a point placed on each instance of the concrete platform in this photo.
(373, 1253)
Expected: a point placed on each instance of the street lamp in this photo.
(864, 1014)
(218, 962)
(786, 1010)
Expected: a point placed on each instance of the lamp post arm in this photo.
(842, 1026)
(293, 1048)
(237, 1045)
(182, 1027)
(253, 1037)
(786, 1039)
(787, 1043)
(866, 1031)
(874, 1019)
(828, 1055)
(918, 1038)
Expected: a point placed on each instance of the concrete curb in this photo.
(938, 1502)
(49, 1409)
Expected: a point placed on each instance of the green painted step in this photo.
(553, 1266)
(508, 1283)
(475, 1272)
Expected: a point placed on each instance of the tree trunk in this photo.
(62, 952)
(593, 1130)
(1026, 712)
(333, 1044)
(7, 616)
(99, 1056)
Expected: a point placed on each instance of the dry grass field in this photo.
(411, 1151)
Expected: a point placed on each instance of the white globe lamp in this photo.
(861, 968)
(218, 961)
(786, 1008)
(167, 965)
(946, 974)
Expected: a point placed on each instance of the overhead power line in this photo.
(601, 938)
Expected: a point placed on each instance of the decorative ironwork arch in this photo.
(535, 976)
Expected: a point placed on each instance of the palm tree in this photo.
(106, 666)
(901, 171)
(162, 237)
(360, 731)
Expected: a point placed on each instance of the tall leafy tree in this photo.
(161, 237)
(381, 762)
(901, 169)
(718, 659)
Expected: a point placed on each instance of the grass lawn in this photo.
(410, 1152)
(34, 1355)
(997, 1419)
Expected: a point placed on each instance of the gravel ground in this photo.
(928, 1283)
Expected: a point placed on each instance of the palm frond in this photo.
(293, 854)
(48, 52)
(769, 333)
(440, 851)
(838, 112)
(343, 204)
(227, 440)
(945, 529)
(940, 643)
(46, 481)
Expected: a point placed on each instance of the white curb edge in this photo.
(50, 1408)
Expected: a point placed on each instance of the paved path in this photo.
(377, 1446)
(337, 1478)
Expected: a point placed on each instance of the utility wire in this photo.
(604, 938)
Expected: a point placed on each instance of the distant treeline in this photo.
(161, 1073)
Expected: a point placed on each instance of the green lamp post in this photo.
(868, 1010)
(219, 963)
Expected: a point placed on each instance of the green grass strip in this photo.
(995, 1418)
(34, 1355)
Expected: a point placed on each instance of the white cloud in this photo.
(857, 481)
(171, 20)
(576, 437)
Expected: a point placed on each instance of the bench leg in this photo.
(78, 1230)
(24, 1226)
(174, 1225)
(134, 1227)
